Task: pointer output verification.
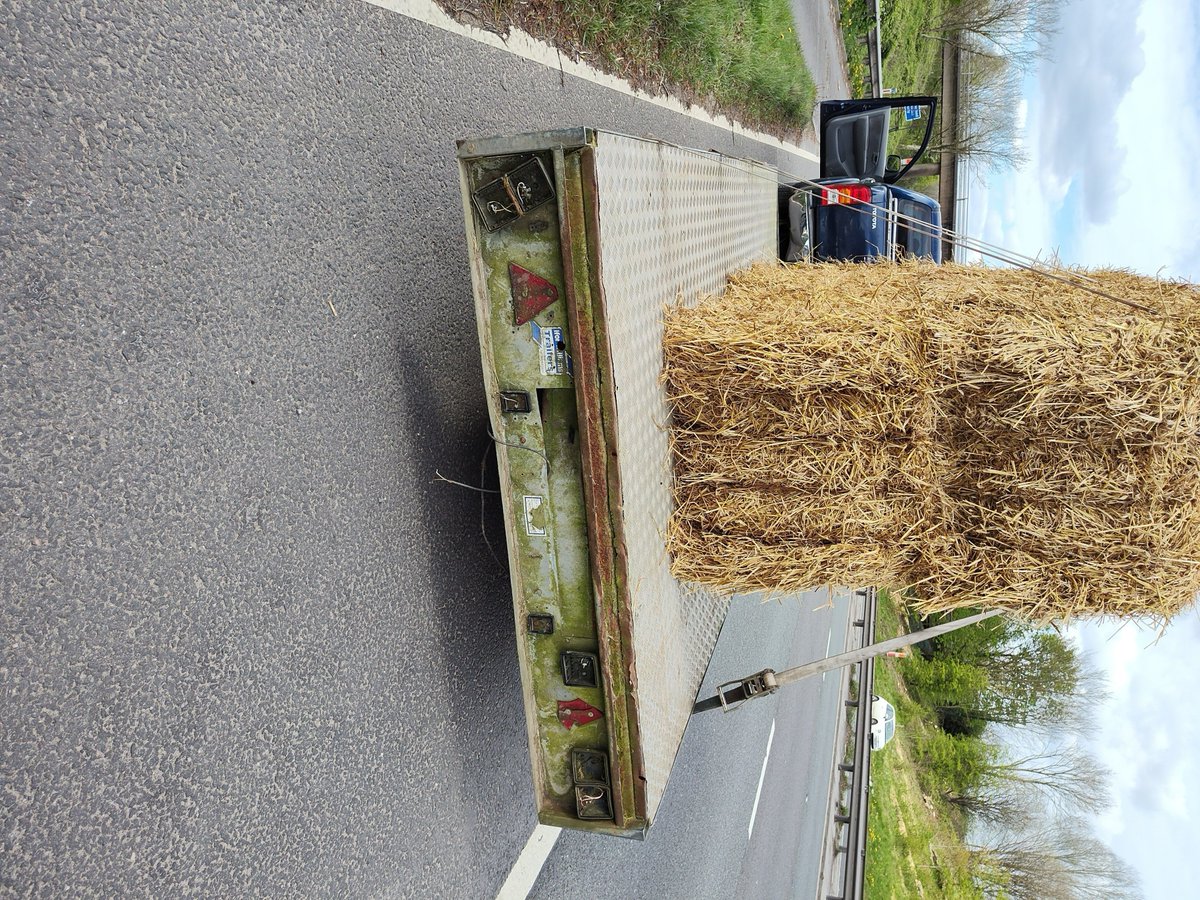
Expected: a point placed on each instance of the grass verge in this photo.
(735, 57)
(913, 845)
(857, 20)
(912, 55)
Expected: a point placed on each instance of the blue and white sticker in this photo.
(554, 359)
(552, 356)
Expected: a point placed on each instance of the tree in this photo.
(1019, 30)
(954, 766)
(1060, 862)
(1067, 777)
(996, 41)
(994, 805)
(987, 124)
(1025, 677)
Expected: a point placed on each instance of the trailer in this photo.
(578, 239)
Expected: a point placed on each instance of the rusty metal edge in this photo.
(594, 457)
(608, 408)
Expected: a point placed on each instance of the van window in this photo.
(912, 238)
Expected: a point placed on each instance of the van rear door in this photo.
(871, 138)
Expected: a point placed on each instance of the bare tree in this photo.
(1019, 30)
(1067, 777)
(999, 40)
(1065, 861)
(987, 126)
(995, 805)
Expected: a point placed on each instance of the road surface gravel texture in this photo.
(252, 646)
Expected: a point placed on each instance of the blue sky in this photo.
(1111, 124)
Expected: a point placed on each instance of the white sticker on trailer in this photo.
(535, 516)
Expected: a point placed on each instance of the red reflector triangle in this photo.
(577, 712)
(531, 293)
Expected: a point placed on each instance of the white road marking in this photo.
(529, 864)
(828, 644)
(521, 44)
(761, 778)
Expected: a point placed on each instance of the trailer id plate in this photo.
(554, 359)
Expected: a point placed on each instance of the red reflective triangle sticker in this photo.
(531, 293)
(577, 712)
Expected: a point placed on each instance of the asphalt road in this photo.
(251, 646)
(820, 38)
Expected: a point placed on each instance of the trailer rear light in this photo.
(848, 193)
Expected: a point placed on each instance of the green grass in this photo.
(740, 55)
(913, 844)
(912, 58)
(857, 22)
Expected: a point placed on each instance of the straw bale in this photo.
(744, 564)
(816, 464)
(982, 436)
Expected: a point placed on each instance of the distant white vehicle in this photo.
(883, 721)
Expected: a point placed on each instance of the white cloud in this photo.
(1112, 130)
(1094, 60)
(1149, 736)
(1110, 151)
(1158, 124)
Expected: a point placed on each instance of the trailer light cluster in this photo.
(589, 771)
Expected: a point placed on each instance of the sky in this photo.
(1111, 124)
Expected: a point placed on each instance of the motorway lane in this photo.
(699, 845)
(788, 843)
(251, 647)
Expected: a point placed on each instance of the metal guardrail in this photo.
(875, 51)
(852, 824)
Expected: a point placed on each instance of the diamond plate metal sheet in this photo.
(673, 224)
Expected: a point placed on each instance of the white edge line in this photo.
(762, 777)
(524, 45)
(529, 864)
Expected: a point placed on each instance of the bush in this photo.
(950, 764)
(942, 682)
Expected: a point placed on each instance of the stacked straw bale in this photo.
(984, 436)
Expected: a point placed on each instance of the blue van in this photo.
(854, 210)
